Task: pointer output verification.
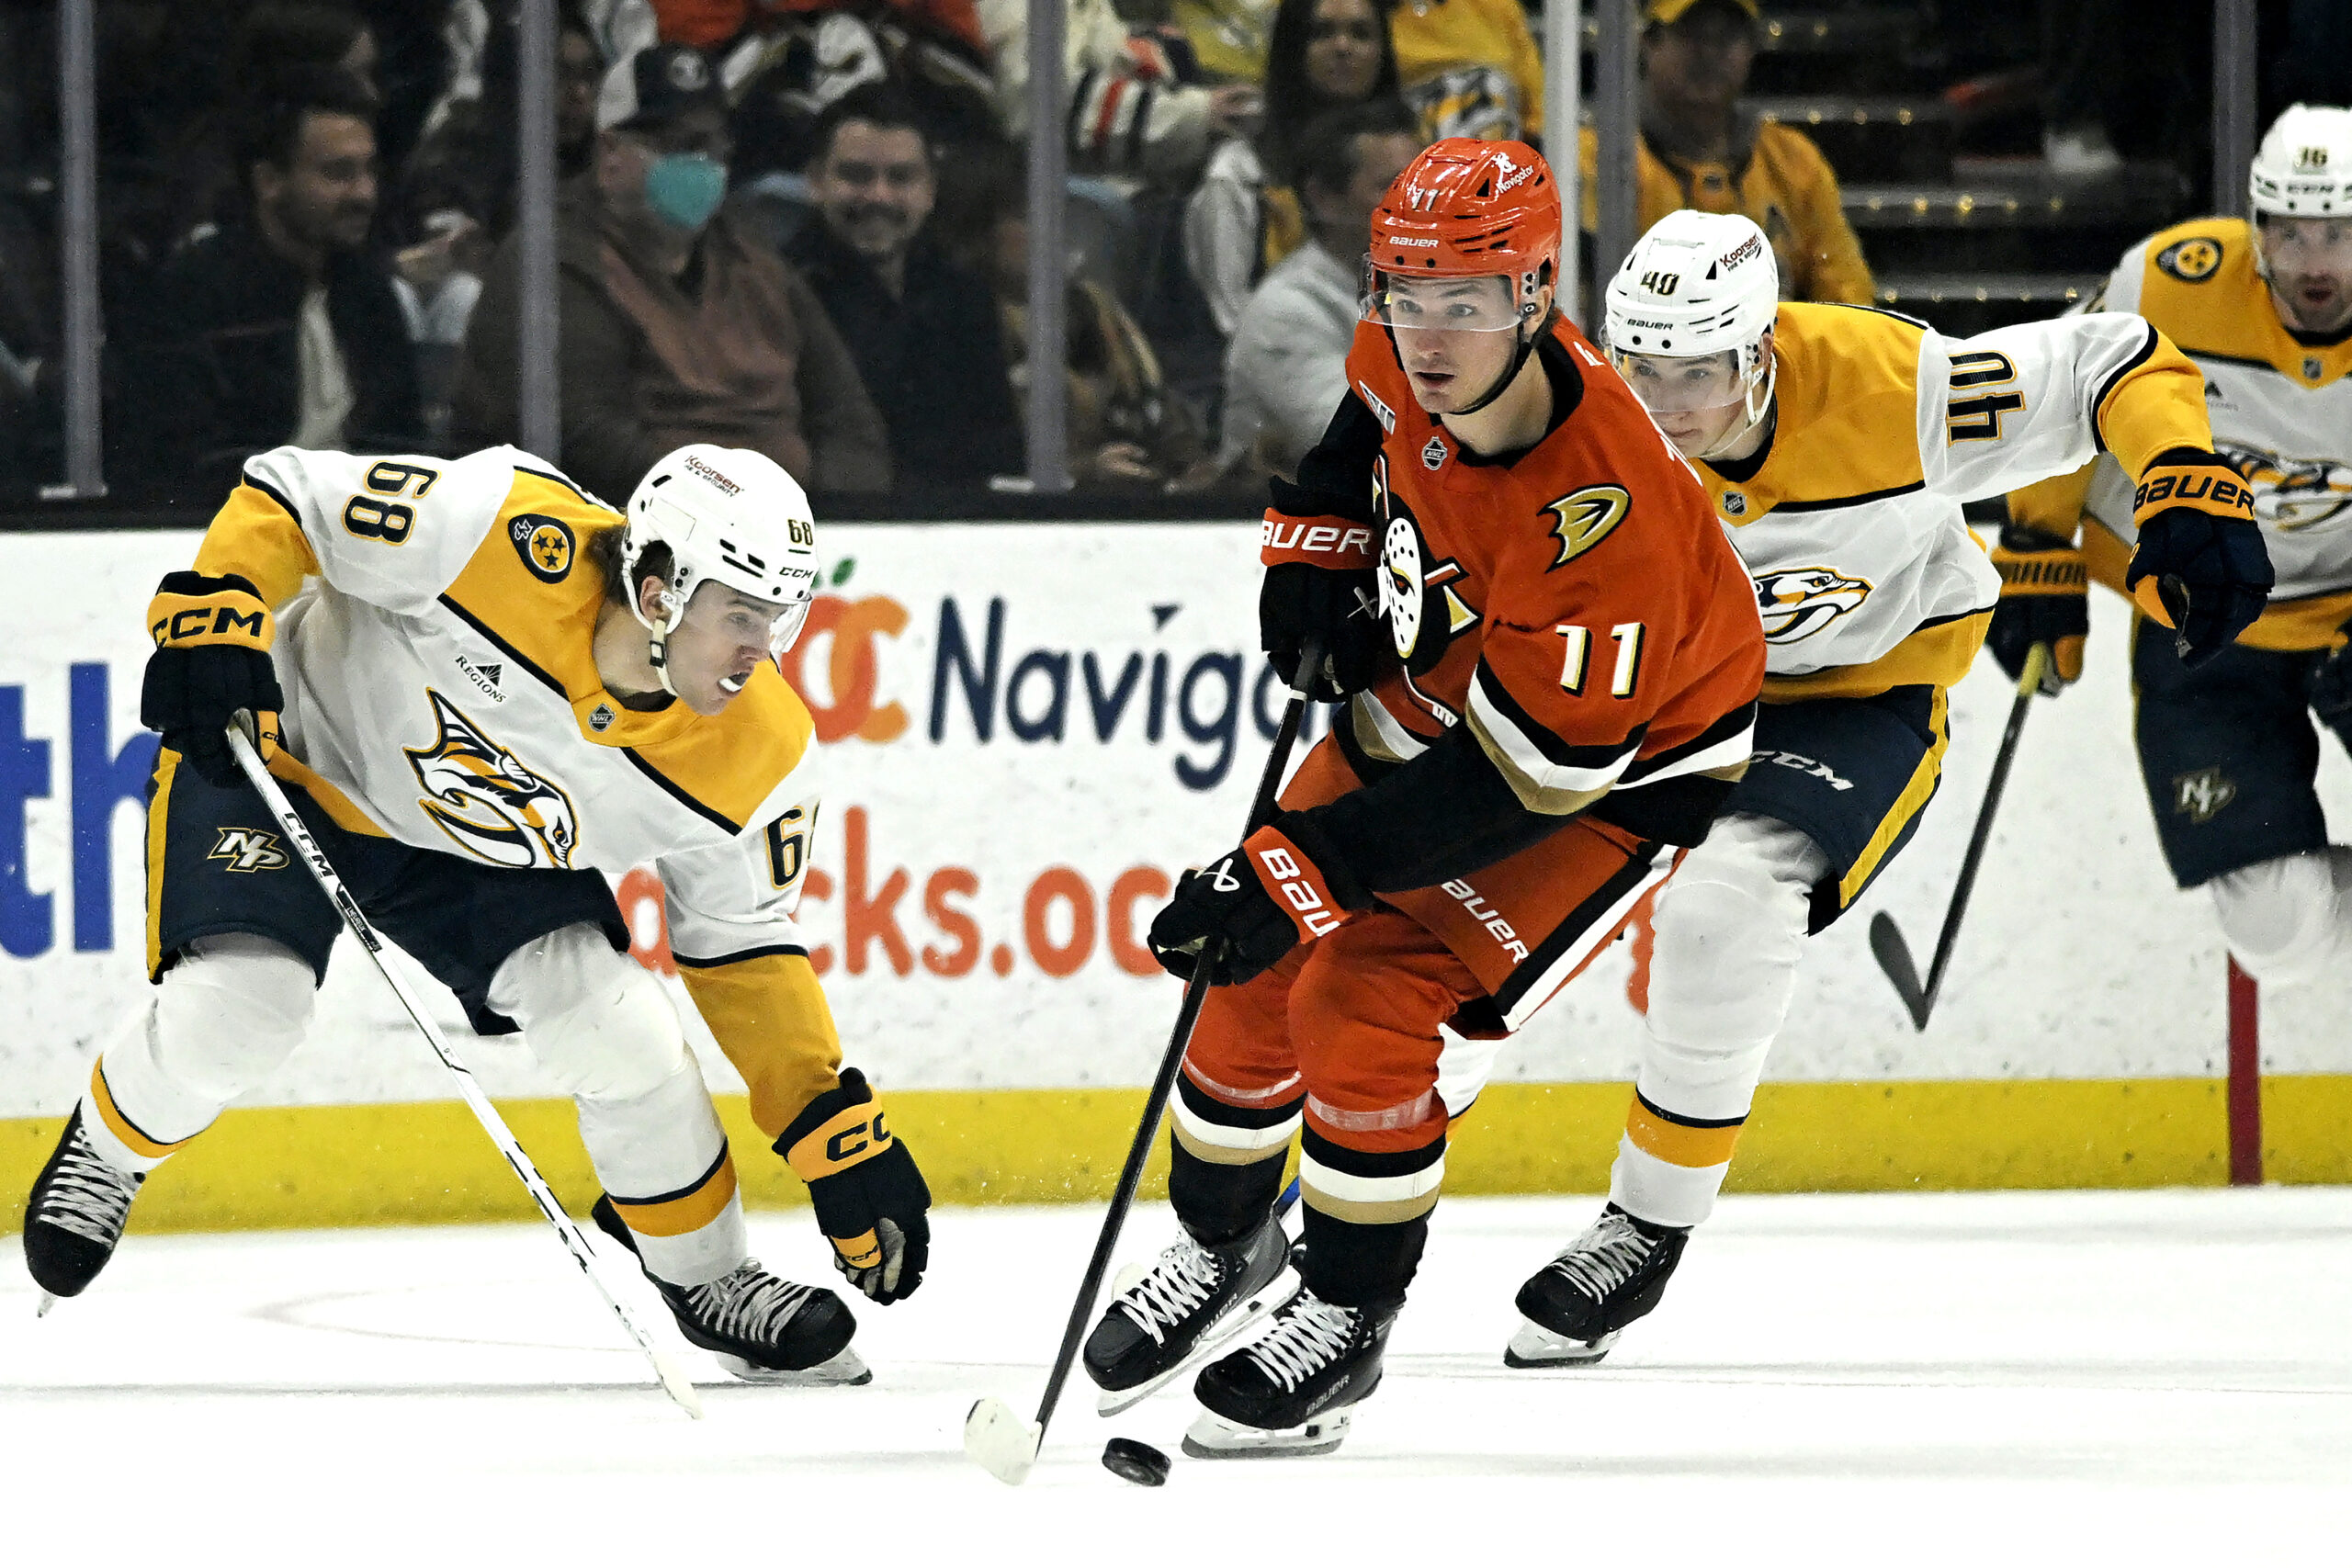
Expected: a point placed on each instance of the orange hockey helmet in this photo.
(1467, 208)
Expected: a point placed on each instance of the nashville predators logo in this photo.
(2191, 261)
(484, 798)
(2201, 796)
(545, 545)
(1585, 518)
(1799, 603)
(249, 849)
(2294, 495)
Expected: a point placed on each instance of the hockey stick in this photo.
(995, 1437)
(672, 1379)
(1894, 955)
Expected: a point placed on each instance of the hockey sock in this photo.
(1367, 1217)
(1227, 1161)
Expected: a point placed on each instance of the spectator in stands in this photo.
(676, 327)
(922, 328)
(1700, 148)
(1125, 429)
(1288, 369)
(277, 327)
(1245, 217)
(1128, 112)
(1470, 68)
(279, 41)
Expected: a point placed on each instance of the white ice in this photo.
(2109, 1378)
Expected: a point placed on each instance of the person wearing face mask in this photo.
(487, 692)
(1244, 217)
(906, 308)
(1837, 445)
(677, 325)
(2263, 307)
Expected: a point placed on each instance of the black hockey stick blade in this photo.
(1894, 955)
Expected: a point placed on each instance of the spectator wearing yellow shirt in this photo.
(1470, 68)
(1700, 150)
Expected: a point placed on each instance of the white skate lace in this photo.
(1176, 1288)
(1307, 1336)
(751, 1303)
(87, 1195)
(1604, 1256)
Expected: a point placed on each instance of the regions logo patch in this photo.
(546, 546)
(2191, 261)
(1798, 602)
(2201, 796)
(249, 849)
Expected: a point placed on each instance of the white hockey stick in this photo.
(672, 1379)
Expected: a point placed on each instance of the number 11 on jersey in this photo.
(1628, 637)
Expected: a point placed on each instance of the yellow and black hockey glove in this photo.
(211, 659)
(1283, 886)
(2045, 598)
(871, 1201)
(2201, 567)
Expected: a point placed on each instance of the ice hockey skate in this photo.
(1288, 1393)
(1192, 1302)
(1576, 1305)
(761, 1328)
(74, 1216)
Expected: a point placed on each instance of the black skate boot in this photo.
(74, 1215)
(1578, 1303)
(1191, 1302)
(1288, 1391)
(761, 1328)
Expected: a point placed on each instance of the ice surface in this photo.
(2144, 1377)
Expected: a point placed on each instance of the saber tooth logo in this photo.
(489, 803)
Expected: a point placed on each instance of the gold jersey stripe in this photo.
(1914, 799)
(257, 536)
(769, 1014)
(1936, 655)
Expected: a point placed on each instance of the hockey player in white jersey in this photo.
(485, 691)
(1838, 445)
(2228, 750)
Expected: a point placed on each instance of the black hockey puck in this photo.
(1139, 1462)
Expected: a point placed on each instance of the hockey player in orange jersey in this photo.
(1552, 660)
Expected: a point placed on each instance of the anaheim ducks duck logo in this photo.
(2294, 495)
(483, 797)
(1798, 602)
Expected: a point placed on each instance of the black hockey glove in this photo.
(2045, 598)
(2201, 567)
(1283, 886)
(1340, 609)
(871, 1200)
(211, 659)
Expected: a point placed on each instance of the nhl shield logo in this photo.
(1734, 504)
(1433, 454)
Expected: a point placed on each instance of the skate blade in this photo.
(47, 1302)
(1213, 1436)
(1537, 1347)
(1253, 1312)
(843, 1370)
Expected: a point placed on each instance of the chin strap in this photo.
(657, 640)
(1526, 346)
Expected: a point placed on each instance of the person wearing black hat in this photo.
(677, 326)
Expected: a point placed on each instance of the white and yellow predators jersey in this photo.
(436, 619)
(2281, 412)
(1849, 518)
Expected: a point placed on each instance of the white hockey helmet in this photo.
(2303, 168)
(729, 516)
(1697, 285)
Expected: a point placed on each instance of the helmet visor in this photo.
(719, 611)
(1405, 303)
(1688, 385)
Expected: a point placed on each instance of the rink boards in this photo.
(1030, 728)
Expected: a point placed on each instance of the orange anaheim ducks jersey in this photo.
(1575, 606)
(436, 619)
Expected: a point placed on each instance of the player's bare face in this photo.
(722, 639)
(1456, 336)
(2310, 261)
